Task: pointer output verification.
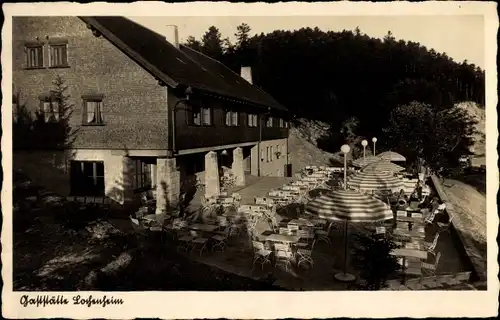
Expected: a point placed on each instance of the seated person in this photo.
(442, 206)
(414, 196)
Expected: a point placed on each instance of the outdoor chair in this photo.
(293, 228)
(185, 242)
(445, 226)
(283, 258)
(306, 239)
(261, 256)
(380, 230)
(146, 201)
(285, 231)
(235, 229)
(305, 256)
(401, 213)
(220, 239)
(430, 247)
(139, 229)
(324, 235)
(198, 243)
(429, 219)
(429, 269)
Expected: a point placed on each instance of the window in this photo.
(58, 55)
(252, 120)
(34, 56)
(231, 118)
(87, 178)
(49, 108)
(286, 124)
(200, 117)
(92, 110)
(142, 175)
(269, 122)
(282, 124)
(267, 154)
(271, 154)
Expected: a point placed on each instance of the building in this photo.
(148, 113)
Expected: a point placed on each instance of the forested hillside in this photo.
(356, 83)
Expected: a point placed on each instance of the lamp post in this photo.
(374, 141)
(344, 276)
(364, 143)
(345, 150)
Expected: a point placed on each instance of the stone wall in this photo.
(469, 249)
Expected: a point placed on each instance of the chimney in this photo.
(246, 73)
(171, 34)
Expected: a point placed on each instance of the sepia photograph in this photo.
(245, 152)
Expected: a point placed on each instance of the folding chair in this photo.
(262, 256)
(430, 247)
(430, 269)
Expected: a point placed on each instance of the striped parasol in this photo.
(374, 181)
(383, 166)
(361, 162)
(349, 205)
(391, 156)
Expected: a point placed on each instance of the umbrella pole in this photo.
(344, 276)
(345, 246)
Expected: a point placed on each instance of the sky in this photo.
(460, 36)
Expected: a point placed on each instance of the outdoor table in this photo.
(203, 227)
(301, 223)
(156, 217)
(409, 253)
(410, 210)
(410, 219)
(282, 238)
(410, 234)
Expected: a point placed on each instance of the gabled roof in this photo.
(178, 66)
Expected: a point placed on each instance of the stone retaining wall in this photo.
(473, 255)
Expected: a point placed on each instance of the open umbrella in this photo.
(373, 181)
(391, 156)
(348, 205)
(361, 162)
(383, 165)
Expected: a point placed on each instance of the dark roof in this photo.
(178, 66)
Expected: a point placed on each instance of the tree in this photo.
(373, 259)
(439, 137)
(332, 76)
(47, 129)
(242, 35)
(193, 43)
(212, 43)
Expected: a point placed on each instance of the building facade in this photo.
(146, 113)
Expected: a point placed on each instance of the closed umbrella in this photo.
(361, 162)
(391, 156)
(383, 166)
(374, 181)
(348, 205)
